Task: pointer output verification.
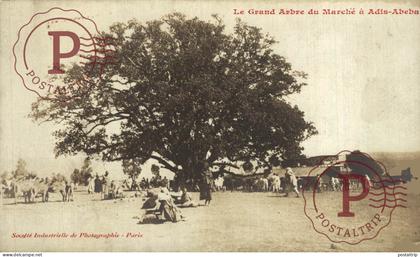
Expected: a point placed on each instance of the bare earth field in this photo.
(233, 222)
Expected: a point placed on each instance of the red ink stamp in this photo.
(52, 43)
(350, 198)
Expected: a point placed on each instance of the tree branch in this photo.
(165, 163)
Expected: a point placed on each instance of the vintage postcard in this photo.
(210, 126)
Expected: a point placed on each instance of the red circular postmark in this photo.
(350, 197)
(52, 43)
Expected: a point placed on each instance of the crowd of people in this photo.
(165, 205)
(104, 187)
(164, 200)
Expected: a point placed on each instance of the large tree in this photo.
(185, 93)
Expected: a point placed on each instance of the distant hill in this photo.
(395, 162)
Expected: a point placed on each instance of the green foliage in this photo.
(82, 176)
(21, 170)
(57, 178)
(75, 176)
(131, 168)
(4, 175)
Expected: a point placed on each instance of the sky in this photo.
(363, 87)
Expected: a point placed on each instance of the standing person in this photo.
(291, 181)
(143, 185)
(105, 185)
(98, 185)
(165, 182)
(147, 183)
(2, 187)
(368, 181)
(206, 184)
(90, 188)
(275, 184)
(134, 185)
(70, 190)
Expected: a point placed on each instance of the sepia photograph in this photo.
(209, 126)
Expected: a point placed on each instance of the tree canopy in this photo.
(21, 170)
(186, 93)
(131, 168)
(82, 176)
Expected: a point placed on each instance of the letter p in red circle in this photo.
(350, 181)
(347, 198)
(57, 54)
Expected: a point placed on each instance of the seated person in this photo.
(186, 200)
(160, 204)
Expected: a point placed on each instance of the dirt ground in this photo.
(235, 221)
